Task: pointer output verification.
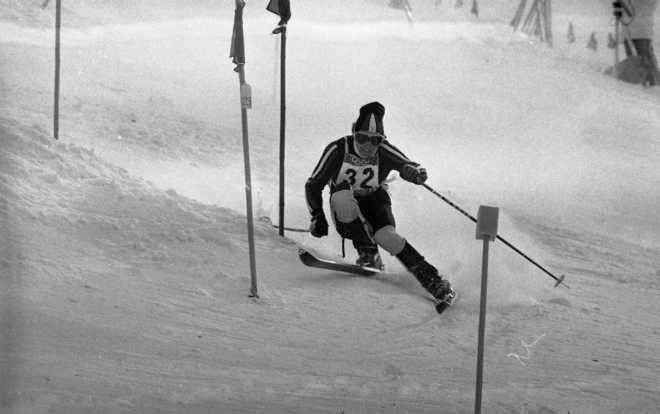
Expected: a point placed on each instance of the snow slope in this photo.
(124, 265)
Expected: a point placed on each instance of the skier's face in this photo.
(367, 144)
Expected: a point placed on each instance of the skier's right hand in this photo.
(319, 225)
(414, 174)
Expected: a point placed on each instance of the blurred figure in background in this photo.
(403, 5)
(637, 18)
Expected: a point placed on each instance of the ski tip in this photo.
(305, 256)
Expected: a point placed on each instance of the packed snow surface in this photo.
(124, 266)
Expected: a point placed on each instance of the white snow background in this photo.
(124, 256)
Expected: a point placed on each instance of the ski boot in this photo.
(360, 233)
(368, 256)
(433, 282)
(426, 274)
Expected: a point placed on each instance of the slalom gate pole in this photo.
(487, 218)
(56, 97)
(276, 67)
(548, 21)
(515, 22)
(246, 102)
(559, 280)
(237, 53)
(617, 40)
(281, 30)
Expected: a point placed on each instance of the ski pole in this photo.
(266, 219)
(559, 280)
(294, 229)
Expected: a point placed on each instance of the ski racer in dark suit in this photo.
(356, 167)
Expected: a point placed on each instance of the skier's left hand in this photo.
(414, 174)
(319, 225)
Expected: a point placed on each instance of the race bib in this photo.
(361, 174)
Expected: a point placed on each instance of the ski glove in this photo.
(319, 225)
(414, 174)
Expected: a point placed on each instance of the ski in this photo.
(311, 260)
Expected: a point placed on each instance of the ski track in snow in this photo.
(124, 257)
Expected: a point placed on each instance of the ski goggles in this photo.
(365, 137)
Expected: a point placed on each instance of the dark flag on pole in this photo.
(237, 51)
(282, 8)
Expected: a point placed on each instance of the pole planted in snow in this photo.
(282, 31)
(617, 39)
(237, 53)
(56, 103)
(486, 231)
(246, 102)
(283, 9)
(548, 21)
(515, 22)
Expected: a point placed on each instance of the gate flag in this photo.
(237, 50)
(282, 8)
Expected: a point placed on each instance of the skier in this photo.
(356, 166)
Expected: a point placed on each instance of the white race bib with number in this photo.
(361, 173)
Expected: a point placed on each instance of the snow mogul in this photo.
(355, 167)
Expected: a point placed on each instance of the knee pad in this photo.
(344, 206)
(389, 240)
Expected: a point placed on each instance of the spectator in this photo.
(637, 17)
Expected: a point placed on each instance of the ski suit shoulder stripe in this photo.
(399, 156)
(330, 151)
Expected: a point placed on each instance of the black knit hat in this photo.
(370, 118)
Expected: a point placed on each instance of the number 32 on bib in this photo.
(362, 174)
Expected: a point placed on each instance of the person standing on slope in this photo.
(355, 167)
(637, 17)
